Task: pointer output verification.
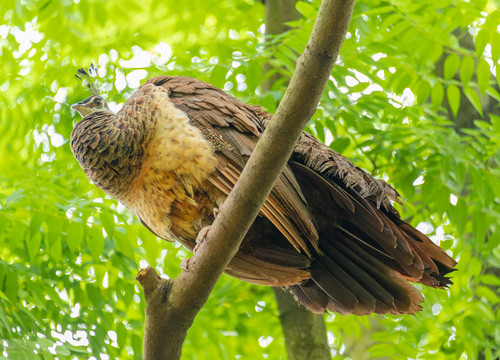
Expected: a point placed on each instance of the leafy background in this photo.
(413, 99)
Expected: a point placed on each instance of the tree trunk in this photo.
(278, 12)
(305, 332)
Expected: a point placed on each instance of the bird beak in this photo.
(77, 106)
(81, 108)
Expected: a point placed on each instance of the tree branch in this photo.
(304, 332)
(173, 304)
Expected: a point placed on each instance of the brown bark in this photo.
(173, 304)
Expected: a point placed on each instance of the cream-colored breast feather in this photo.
(178, 161)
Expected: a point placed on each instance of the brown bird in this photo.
(328, 230)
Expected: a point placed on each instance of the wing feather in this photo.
(234, 128)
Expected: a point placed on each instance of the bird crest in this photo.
(89, 79)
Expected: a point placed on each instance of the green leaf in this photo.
(488, 294)
(403, 81)
(490, 279)
(53, 239)
(381, 350)
(451, 65)
(453, 94)
(35, 223)
(218, 75)
(3, 296)
(459, 173)
(423, 91)
(95, 242)
(495, 47)
(474, 100)
(54, 228)
(55, 250)
(493, 182)
(123, 243)
(340, 143)
(151, 244)
(437, 95)
(466, 70)
(479, 228)
(479, 185)
(482, 38)
(16, 235)
(11, 286)
(497, 73)
(108, 221)
(306, 9)
(379, 10)
(4, 224)
(359, 87)
(493, 93)
(483, 75)
(254, 75)
(74, 236)
(458, 215)
(320, 131)
(33, 245)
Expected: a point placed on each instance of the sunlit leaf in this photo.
(495, 46)
(437, 95)
(306, 9)
(497, 73)
(474, 99)
(483, 75)
(74, 235)
(453, 95)
(423, 91)
(95, 241)
(482, 38)
(466, 70)
(451, 66)
(33, 244)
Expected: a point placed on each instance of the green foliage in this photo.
(69, 254)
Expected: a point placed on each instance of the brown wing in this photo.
(234, 129)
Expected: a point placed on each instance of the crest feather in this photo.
(88, 79)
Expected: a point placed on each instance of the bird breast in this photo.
(177, 163)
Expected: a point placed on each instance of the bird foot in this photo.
(199, 240)
(201, 237)
(204, 231)
(185, 264)
(202, 234)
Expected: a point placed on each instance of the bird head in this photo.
(94, 102)
(90, 105)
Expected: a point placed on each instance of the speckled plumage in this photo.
(328, 229)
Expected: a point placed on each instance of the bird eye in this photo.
(98, 102)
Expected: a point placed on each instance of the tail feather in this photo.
(311, 296)
(364, 258)
(364, 278)
(365, 300)
(332, 286)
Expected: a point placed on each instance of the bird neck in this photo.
(110, 149)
